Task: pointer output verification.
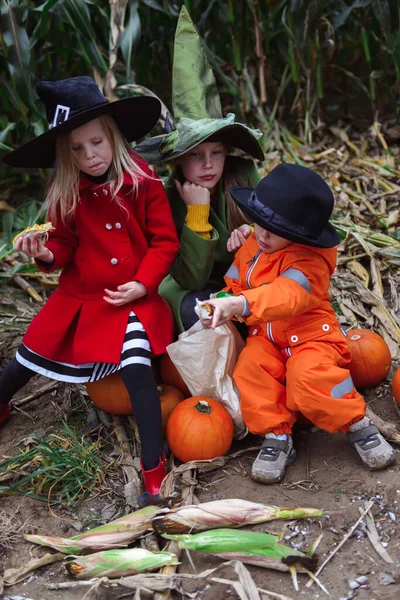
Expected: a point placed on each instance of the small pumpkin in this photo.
(199, 428)
(370, 357)
(110, 394)
(396, 386)
(170, 375)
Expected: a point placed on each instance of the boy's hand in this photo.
(224, 310)
(238, 237)
(127, 292)
(192, 193)
(33, 247)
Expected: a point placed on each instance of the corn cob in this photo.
(225, 513)
(217, 541)
(115, 534)
(119, 563)
(34, 231)
(252, 547)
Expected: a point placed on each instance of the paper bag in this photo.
(205, 359)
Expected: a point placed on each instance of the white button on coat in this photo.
(294, 339)
(118, 225)
(95, 194)
(325, 327)
(105, 192)
(108, 226)
(114, 261)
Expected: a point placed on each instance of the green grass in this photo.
(62, 469)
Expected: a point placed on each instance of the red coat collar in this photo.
(85, 183)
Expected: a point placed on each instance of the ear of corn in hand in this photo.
(115, 534)
(226, 513)
(119, 563)
(36, 230)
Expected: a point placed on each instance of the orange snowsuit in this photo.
(296, 352)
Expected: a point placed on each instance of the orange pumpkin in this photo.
(370, 357)
(110, 394)
(199, 428)
(170, 375)
(396, 386)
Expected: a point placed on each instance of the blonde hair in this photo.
(63, 191)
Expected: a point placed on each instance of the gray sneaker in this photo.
(275, 455)
(375, 452)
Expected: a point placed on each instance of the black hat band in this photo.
(278, 221)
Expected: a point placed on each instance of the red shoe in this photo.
(152, 480)
(4, 413)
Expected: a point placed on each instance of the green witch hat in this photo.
(196, 105)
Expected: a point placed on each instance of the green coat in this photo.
(201, 262)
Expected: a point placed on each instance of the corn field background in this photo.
(303, 62)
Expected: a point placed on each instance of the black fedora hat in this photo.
(293, 202)
(70, 103)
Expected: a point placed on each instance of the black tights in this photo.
(12, 379)
(142, 389)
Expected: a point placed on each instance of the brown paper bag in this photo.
(205, 359)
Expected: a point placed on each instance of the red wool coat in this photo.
(107, 245)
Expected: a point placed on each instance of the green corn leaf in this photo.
(16, 41)
(130, 37)
(77, 15)
(39, 31)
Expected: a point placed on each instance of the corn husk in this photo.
(203, 310)
(219, 541)
(119, 563)
(278, 557)
(34, 231)
(116, 534)
(225, 513)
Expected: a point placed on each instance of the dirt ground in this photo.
(327, 474)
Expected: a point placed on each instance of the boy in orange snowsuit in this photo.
(296, 354)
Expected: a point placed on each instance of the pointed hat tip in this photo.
(194, 89)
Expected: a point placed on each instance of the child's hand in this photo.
(238, 237)
(224, 310)
(192, 193)
(127, 292)
(34, 247)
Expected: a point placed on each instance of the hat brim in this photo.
(235, 135)
(134, 117)
(328, 238)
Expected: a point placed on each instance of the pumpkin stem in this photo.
(160, 390)
(203, 407)
(355, 337)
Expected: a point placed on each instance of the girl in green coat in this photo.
(198, 144)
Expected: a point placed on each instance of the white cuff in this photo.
(246, 312)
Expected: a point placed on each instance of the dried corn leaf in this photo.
(12, 576)
(359, 271)
(374, 538)
(379, 310)
(377, 286)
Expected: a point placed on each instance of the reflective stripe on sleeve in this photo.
(232, 272)
(298, 277)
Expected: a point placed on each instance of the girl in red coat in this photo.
(115, 240)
